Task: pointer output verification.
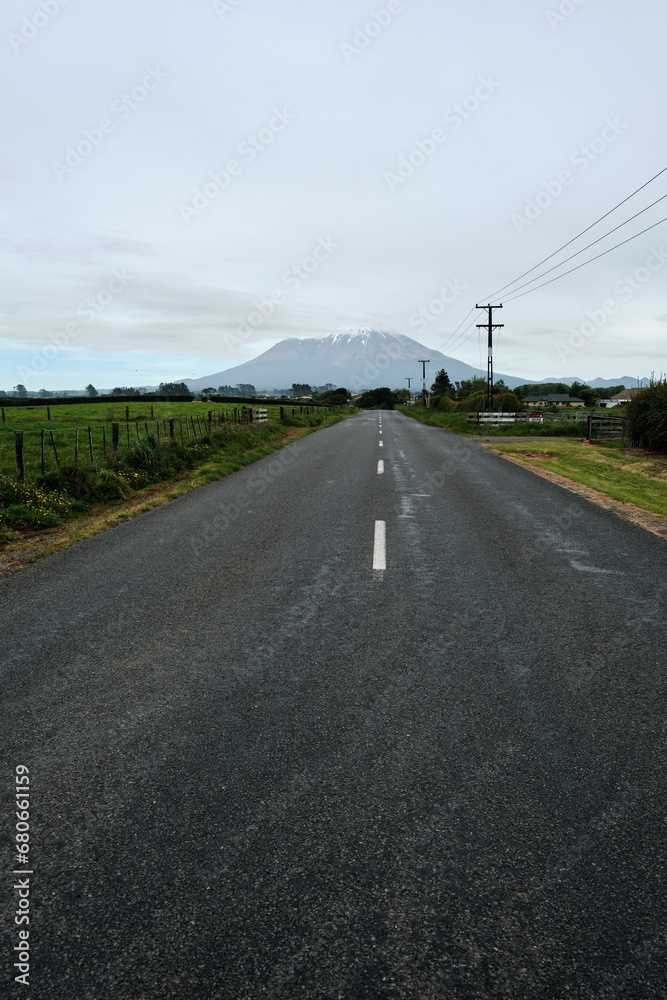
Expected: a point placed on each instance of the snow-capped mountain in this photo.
(357, 359)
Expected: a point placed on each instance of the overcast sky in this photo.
(187, 182)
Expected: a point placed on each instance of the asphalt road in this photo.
(261, 767)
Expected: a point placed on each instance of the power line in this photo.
(512, 297)
(565, 245)
(589, 245)
(460, 342)
(453, 335)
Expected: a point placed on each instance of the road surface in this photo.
(380, 716)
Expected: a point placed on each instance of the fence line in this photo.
(31, 458)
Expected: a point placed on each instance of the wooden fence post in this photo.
(76, 445)
(180, 420)
(236, 418)
(90, 444)
(282, 412)
(48, 413)
(199, 426)
(43, 465)
(114, 438)
(3, 414)
(151, 411)
(138, 438)
(210, 421)
(187, 427)
(146, 427)
(157, 426)
(171, 428)
(20, 470)
(55, 450)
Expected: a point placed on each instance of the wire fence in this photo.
(35, 450)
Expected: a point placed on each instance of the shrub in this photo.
(647, 412)
(30, 506)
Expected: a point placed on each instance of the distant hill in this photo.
(596, 383)
(360, 360)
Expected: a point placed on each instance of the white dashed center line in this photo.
(382, 444)
(380, 467)
(380, 545)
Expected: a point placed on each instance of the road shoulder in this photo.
(654, 523)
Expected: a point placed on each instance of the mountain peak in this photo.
(359, 358)
(362, 334)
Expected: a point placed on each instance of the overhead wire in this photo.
(588, 246)
(512, 297)
(574, 238)
(457, 338)
(452, 336)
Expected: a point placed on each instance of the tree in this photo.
(174, 389)
(124, 390)
(301, 389)
(336, 397)
(45, 393)
(20, 391)
(442, 385)
(611, 390)
(647, 411)
(91, 390)
(246, 389)
(541, 388)
(381, 399)
(584, 391)
(470, 387)
(589, 396)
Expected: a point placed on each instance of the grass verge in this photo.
(39, 519)
(630, 475)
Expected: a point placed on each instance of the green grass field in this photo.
(99, 416)
(627, 474)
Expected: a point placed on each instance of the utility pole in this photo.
(424, 396)
(409, 380)
(490, 326)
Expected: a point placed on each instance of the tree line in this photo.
(458, 391)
